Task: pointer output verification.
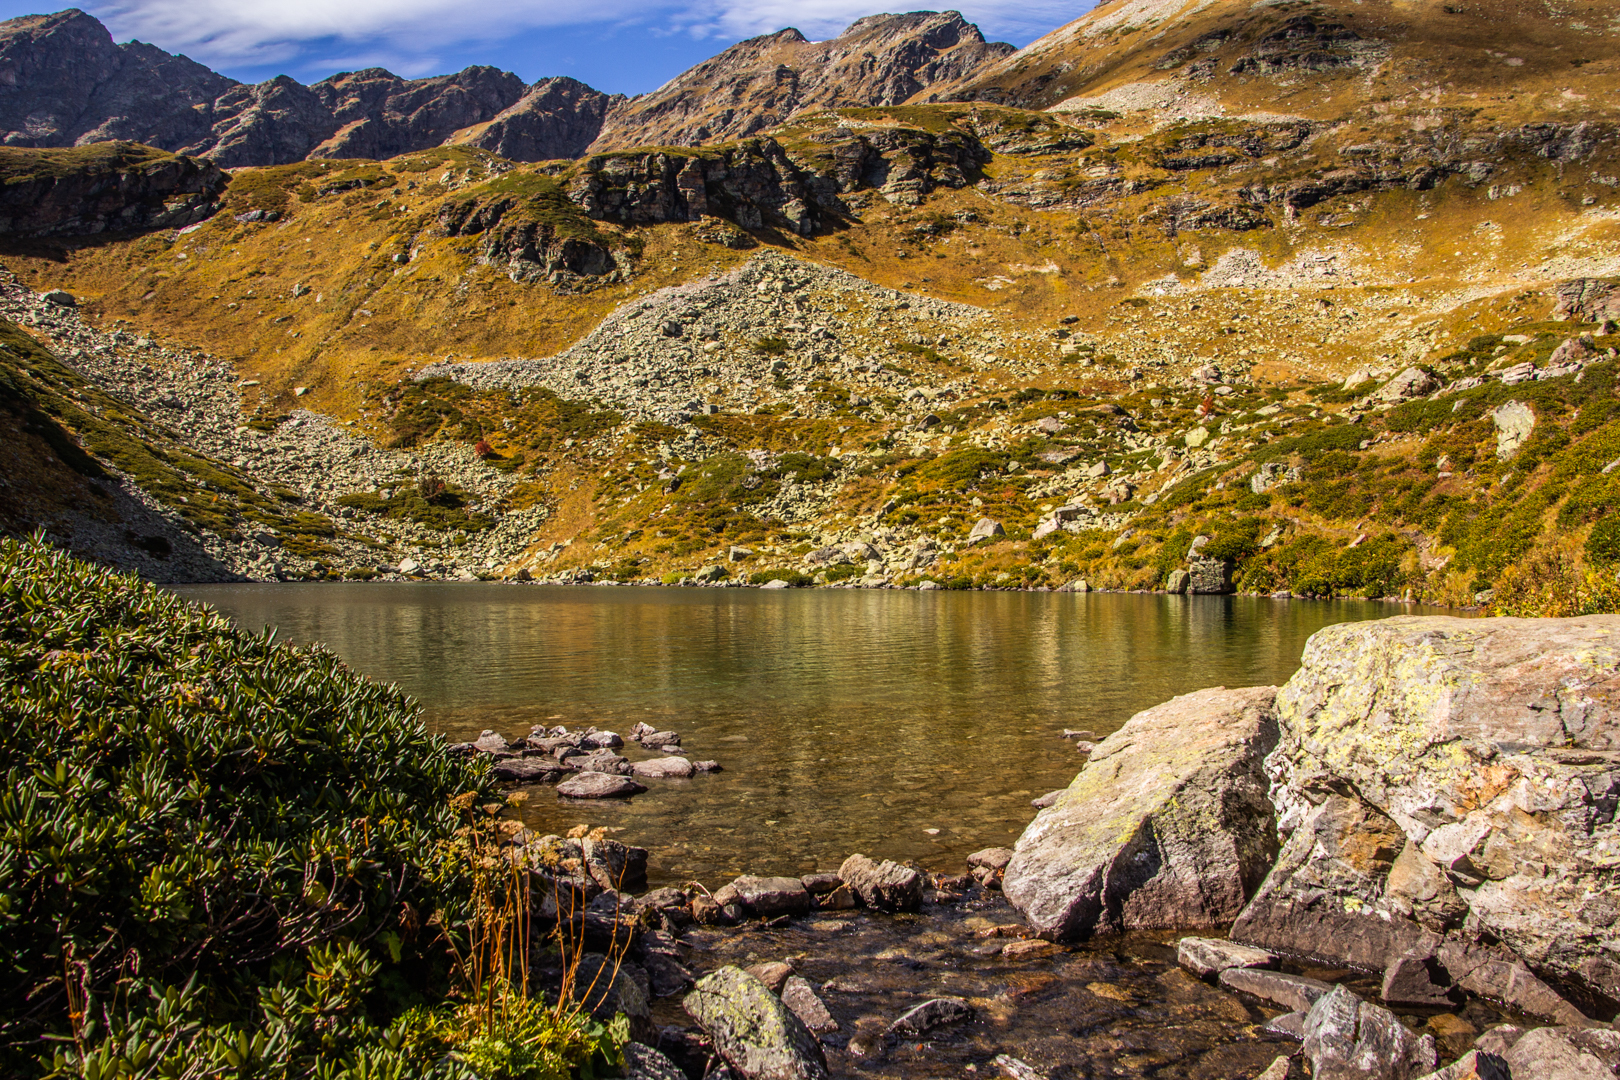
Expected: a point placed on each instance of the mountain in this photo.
(758, 84)
(65, 82)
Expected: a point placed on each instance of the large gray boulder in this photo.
(1350, 1039)
(757, 1035)
(1461, 776)
(1167, 826)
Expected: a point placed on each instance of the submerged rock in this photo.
(931, 1014)
(759, 1037)
(1168, 826)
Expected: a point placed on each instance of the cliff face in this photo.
(63, 82)
(110, 187)
(759, 83)
(555, 118)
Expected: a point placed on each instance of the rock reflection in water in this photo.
(845, 720)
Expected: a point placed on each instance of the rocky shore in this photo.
(1399, 865)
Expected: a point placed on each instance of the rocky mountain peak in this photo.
(64, 81)
(759, 83)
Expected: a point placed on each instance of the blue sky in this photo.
(621, 46)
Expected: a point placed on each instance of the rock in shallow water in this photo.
(595, 785)
(930, 1015)
(670, 768)
(801, 997)
(1209, 956)
(886, 886)
(758, 1036)
(1168, 826)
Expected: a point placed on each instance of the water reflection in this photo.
(845, 720)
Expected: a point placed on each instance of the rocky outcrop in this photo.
(113, 187)
(1167, 826)
(64, 82)
(555, 118)
(382, 115)
(1448, 787)
(758, 84)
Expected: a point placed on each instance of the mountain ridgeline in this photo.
(65, 82)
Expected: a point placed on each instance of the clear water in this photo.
(899, 724)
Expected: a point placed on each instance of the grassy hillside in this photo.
(1329, 191)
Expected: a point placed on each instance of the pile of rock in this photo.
(584, 763)
(1431, 800)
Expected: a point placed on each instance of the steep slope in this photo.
(1179, 58)
(556, 118)
(758, 84)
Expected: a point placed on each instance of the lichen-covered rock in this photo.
(1167, 826)
(757, 1035)
(1493, 747)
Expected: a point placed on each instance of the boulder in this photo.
(771, 896)
(774, 975)
(1551, 1054)
(759, 1037)
(1350, 1039)
(1485, 754)
(1417, 980)
(1295, 992)
(613, 865)
(1207, 577)
(995, 858)
(800, 996)
(600, 740)
(602, 987)
(985, 529)
(930, 1014)
(670, 768)
(1411, 383)
(491, 742)
(1176, 582)
(1210, 956)
(645, 1063)
(886, 885)
(820, 884)
(1474, 1065)
(602, 761)
(595, 785)
(1325, 897)
(1514, 422)
(525, 770)
(1168, 826)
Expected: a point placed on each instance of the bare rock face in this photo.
(270, 123)
(759, 83)
(64, 82)
(382, 115)
(111, 187)
(1461, 778)
(555, 118)
(1167, 826)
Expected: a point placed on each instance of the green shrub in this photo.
(220, 855)
(1603, 543)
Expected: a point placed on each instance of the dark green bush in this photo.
(186, 805)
